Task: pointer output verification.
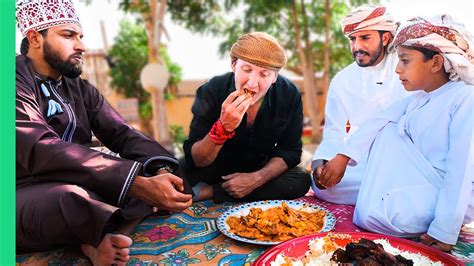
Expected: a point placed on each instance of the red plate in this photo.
(297, 247)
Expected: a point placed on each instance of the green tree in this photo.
(152, 15)
(129, 55)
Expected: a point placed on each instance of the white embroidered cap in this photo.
(43, 14)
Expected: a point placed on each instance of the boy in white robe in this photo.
(418, 179)
(357, 93)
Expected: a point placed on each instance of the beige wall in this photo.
(178, 112)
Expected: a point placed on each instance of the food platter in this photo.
(244, 209)
(296, 248)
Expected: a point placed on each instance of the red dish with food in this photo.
(297, 248)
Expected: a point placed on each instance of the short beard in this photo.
(373, 59)
(66, 68)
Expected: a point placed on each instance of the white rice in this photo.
(417, 258)
(316, 256)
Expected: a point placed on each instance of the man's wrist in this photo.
(261, 177)
(343, 157)
(137, 187)
(162, 169)
(218, 134)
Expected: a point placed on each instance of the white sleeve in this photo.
(359, 143)
(334, 128)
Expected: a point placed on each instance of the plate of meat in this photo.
(353, 248)
(271, 222)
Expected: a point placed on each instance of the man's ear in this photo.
(386, 38)
(35, 39)
(437, 63)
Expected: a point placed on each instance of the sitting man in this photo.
(67, 193)
(356, 93)
(245, 136)
(418, 176)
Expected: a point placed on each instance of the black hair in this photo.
(25, 45)
(381, 32)
(427, 53)
(233, 59)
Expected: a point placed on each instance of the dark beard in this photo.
(373, 59)
(66, 68)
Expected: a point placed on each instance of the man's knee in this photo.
(45, 201)
(209, 174)
(40, 215)
(296, 182)
(300, 176)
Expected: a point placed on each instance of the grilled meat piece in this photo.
(367, 252)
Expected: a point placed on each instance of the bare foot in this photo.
(202, 191)
(113, 249)
(207, 193)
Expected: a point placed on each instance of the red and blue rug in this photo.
(192, 238)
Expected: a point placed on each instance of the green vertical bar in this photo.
(7, 133)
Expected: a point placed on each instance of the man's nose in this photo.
(356, 45)
(80, 46)
(253, 80)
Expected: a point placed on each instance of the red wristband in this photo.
(218, 134)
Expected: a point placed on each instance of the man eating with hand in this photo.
(245, 137)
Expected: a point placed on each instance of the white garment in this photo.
(419, 176)
(470, 172)
(356, 94)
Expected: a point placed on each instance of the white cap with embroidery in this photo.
(43, 14)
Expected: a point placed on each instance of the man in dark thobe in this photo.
(67, 193)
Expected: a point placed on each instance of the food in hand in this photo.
(248, 92)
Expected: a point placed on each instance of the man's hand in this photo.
(429, 241)
(233, 110)
(316, 176)
(163, 191)
(333, 171)
(239, 185)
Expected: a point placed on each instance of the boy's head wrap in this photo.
(445, 35)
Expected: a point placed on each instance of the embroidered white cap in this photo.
(43, 14)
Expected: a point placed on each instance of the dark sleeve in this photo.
(114, 132)
(42, 155)
(206, 111)
(289, 146)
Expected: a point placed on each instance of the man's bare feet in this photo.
(202, 191)
(113, 249)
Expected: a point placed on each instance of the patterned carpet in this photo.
(192, 237)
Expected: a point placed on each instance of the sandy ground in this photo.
(307, 155)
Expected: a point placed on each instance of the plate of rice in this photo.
(321, 249)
